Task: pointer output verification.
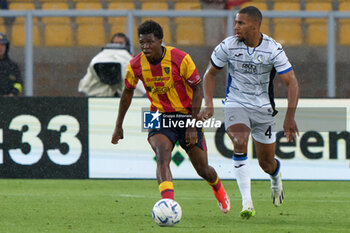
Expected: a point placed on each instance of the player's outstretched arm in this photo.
(290, 126)
(124, 104)
(209, 85)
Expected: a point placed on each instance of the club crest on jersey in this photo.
(167, 70)
(260, 58)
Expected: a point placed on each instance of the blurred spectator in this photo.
(106, 71)
(121, 38)
(10, 76)
(214, 1)
(231, 4)
(3, 5)
(225, 4)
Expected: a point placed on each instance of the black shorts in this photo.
(179, 134)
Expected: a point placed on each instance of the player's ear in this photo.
(256, 25)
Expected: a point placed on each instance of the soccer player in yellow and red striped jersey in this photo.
(173, 86)
(168, 81)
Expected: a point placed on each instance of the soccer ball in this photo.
(166, 212)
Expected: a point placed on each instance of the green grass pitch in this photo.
(125, 206)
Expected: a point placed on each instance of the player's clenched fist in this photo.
(117, 135)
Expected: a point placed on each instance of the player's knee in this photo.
(240, 143)
(163, 155)
(163, 161)
(202, 173)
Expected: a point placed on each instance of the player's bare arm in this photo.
(191, 132)
(124, 104)
(209, 85)
(290, 126)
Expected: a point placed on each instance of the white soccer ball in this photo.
(166, 212)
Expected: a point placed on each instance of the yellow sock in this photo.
(215, 182)
(216, 185)
(166, 189)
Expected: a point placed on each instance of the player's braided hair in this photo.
(252, 12)
(149, 27)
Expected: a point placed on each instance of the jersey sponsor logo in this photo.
(157, 79)
(238, 54)
(161, 90)
(249, 68)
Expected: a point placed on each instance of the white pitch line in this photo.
(238, 199)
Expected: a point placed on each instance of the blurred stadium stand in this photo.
(118, 24)
(344, 24)
(18, 31)
(164, 22)
(90, 30)
(287, 30)
(317, 28)
(2, 25)
(305, 40)
(57, 30)
(189, 31)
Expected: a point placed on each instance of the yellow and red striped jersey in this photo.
(167, 83)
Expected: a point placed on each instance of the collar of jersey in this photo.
(161, 58)
(256, 46)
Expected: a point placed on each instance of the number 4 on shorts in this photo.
(268, 132)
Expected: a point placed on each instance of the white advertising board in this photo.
(321, 152)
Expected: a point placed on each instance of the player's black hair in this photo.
(252, 12)
(149, 27)
(120, 34)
